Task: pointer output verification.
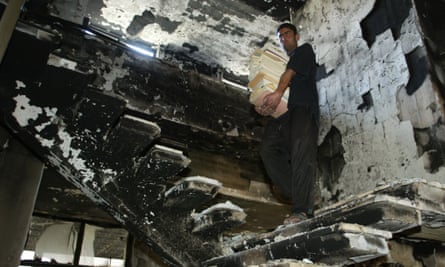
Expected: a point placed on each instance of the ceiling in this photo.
(213, 37)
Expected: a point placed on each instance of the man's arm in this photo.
(271, 101)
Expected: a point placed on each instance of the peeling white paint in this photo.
(65, 146)
(51, 114)
(19, 84)
(45, 142)
(234, 132)
(60, 62)
(232, 54)
(114, 73)
(24, 112)
(73, 156)
(109, 176)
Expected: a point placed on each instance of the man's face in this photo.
(288, 39)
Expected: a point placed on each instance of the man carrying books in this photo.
(289, 146)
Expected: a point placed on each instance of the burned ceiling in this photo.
(212, 37)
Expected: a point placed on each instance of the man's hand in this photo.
(271, 101)
(270, 104)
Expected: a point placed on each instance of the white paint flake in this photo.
(45, 142)
(73, 156)
(19, 84)
(59, 62)
(42, 126)
(66, 143)
(109, 176)
(51, 113)
(114, 74)
(234, 132)
(24, 111)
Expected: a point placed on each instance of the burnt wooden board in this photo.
(218, 218)
(406, 209)
(190, 193)
(340, 244)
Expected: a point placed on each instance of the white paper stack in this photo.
(265, 69)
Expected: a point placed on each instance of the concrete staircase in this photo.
(366, 230)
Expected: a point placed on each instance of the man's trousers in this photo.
(289, 154)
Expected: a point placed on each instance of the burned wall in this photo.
(379, 95)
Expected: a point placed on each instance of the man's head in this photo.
(288, 36)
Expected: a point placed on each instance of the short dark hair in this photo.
(289, 26)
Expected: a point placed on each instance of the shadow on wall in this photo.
(331, 162)
(431, 145)
(391, 15)
(386, 14)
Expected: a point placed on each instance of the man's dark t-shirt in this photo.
(303, 89)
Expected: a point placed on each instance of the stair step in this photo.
(396, 208)
(144, 184)
(191, 192)
(129, 138)
(94, 114)
(340, 244)
(161, 163)
(217, 219)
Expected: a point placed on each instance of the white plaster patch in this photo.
(59, 62)
(45, 142)
(109, 175)
(51, 114)
(65, 146)
(233, 132)
(19, 84)
(24, 112)
(42, 126)
(73, 156)
(114, 74)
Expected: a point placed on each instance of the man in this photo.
(289, 146)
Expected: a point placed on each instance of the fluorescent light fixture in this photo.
(141, 50)
(27, 255)
(88, 32)
(237, 85)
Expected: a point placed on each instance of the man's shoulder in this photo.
(306, 47)
(303, 51)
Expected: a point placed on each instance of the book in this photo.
(262, 85)
(265, 69)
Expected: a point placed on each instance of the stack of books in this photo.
(265, 69)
